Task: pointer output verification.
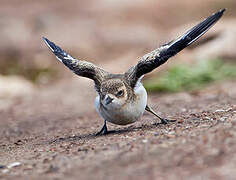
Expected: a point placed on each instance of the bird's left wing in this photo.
(159, 56)
(79, 67)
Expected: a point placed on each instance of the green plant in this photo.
(185, 77)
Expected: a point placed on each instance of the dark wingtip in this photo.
(50, 44)
(45, 39)
(196, 32)
(60, 53)
(222, 10)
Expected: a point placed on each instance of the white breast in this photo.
(129, 113)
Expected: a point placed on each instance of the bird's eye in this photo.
(120, 93)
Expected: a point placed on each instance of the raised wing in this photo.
(159, 56)
(79, 67)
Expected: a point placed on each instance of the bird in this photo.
(121, 98)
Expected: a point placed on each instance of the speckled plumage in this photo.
(122, 99)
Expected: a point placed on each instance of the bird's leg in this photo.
(163, 120)
(104, 130)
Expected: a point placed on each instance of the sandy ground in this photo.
(54, 139)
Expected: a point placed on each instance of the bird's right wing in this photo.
(79, 67)
(159, 56)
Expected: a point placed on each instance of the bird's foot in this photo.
(163, 120)
(103, 131)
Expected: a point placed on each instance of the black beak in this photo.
(108, 100)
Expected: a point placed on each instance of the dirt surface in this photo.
(52, 139)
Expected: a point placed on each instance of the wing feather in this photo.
(79, 67)
(159, 56)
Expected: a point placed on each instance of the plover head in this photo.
(114, 93)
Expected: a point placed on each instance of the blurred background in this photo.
(112, 34)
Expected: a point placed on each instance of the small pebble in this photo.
(156, 134)
(207, 118)
(145, 141)
(82, 149)
(14, 164)
(223, 119)
(229, 109)
(183, 110)
(220, 110)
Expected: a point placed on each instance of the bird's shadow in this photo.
(111, 132)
